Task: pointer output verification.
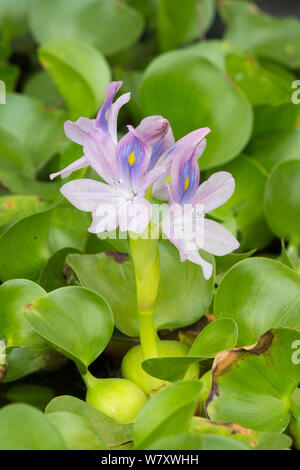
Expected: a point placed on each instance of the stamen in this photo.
(131, 159)
(186, 183)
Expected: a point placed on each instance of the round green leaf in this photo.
(13, 18)
(35, 395)
(80, 73)
(252, 386)
(275, 146)
(182, 80)
(23, 247)
(22, 116)
(277, 39)
(16, 331)
(41, 86)
(282, 200)
(112, 432)
(13, 208)
(192, 442)
(177, 25)
(215, 337)
(76, 431)
(260, 85)
(75, 321)
(182, 298)
(23, 427)
(9, 74)
(23, 361)
(54, 273)
(246, 203)
(255, 440)
(108, 25)
(167, 413)
(259, 294)
(26, 245)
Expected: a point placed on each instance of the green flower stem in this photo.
(148, 335)
(89, 379)
(145, 255)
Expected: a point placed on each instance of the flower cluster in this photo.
(142, 159)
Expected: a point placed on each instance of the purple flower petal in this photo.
(79, 130)
(194, 137)
(187, 251)
(107, 116)
(152, 129)
(77, 165)
(217, 239)
(135, 217)
(101, 155)
(215, 191)
(160, 148)
(129, 215)
(86, 194)
(133, 157)
(207, 268)
(185, 175)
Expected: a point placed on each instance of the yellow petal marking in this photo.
(186, 183)
(131, 159)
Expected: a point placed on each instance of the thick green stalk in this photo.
(145, 255)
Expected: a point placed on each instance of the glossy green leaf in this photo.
(167, 89)
(182, 298)
(192, 442)
(167, 413)
(22, 362)
(109, 25)
(252, 386)
(215, 51)
(42, 87)
(260, 85)
(18, 430)
(34, 395)
(109, 430)
(75, 321)
(270, 121)
(16, 331)
(275, 147)
(26, 245)
(177, 25)
(22, 116)
(282, 200)
(13, 18)
(76, 431)
(29, 238)
(80, 73)
(68, 227)
(54, 273)
(246, 202)
(13, 208)
(178, 442)
(224, 263)
(215, 337)
(9, 74)
(259, 294)
(277, 39)
(253, 439)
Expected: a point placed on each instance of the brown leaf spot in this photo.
(225, 359)
(119, 258)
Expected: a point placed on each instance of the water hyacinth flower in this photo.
(185, 224)
(129, 167)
